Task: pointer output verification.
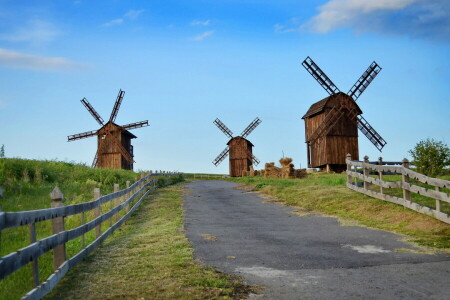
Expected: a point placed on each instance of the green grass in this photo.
(27, 185)
(148, 258)
(327, 194)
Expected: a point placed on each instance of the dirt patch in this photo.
(208, 237)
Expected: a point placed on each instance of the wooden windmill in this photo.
(114, 149)
(239, 148)
(331, 125)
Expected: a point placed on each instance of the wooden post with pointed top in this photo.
(380, 174)
(349, 168)
(59, 252)
(366, 173)
(405, 180)
(97, 212)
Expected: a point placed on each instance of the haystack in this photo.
(287, 168)
(271, 171)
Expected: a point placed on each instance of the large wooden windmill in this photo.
(239, 149)
(331, 125)
(114, 149)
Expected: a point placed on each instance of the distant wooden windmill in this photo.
(114, 149)
(331, 125)
(239, 148)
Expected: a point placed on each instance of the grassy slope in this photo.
(148, 258)
(27, 185)
(326, 193)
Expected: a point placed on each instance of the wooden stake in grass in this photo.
(59, 253)
(97, 212)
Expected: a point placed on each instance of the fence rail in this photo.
(404, 184)
(119, 201)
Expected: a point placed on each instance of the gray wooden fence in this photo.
(404, 184)
(118, 201)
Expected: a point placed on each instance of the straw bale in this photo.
(301, 173)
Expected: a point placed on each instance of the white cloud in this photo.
(201, 23)
(14, 59)
(133, 14)
(341, 13)
(290, 26)
(416, 18)
(35, 31)
(203, 35)
(113, 22)
(130, 15)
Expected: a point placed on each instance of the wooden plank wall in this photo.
(239, 148)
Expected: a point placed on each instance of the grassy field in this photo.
(27, 185)
(148, 258)
(157, 231)
(327, 194)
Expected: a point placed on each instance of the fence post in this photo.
(59, 252)
(405, 180)
(366, 173)
(34, 263)
(438, 202)
(349, 168)
(116, 202)
(127, 196)
(97, 212)
(380, 174)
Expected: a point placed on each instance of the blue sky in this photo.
(184, 63)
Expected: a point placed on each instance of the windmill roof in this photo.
(320, 106)
(240, 137)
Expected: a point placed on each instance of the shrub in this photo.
(430, 156)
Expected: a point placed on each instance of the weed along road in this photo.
(305, 257)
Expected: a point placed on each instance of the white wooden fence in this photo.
(404, 184)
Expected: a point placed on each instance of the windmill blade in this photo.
(92, 111)
(135, 125)
(253, 158)
(363, 82)
(320, 76)
(224, 128)
(116, 106)
(370, 133)
(82, 135)
(221, 156)
(250, 127)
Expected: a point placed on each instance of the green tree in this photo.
(430, 156)
(2, 151)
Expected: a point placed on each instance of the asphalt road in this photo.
(305, 257)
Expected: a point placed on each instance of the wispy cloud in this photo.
(201, 23)
(129, 15)
(113, 22)
(292, 25)
(203, 35)
(133, 14)
(35, 32)
(14, 59)
(417, 18)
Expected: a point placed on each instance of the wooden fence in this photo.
(118, 201)
(381, 168)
